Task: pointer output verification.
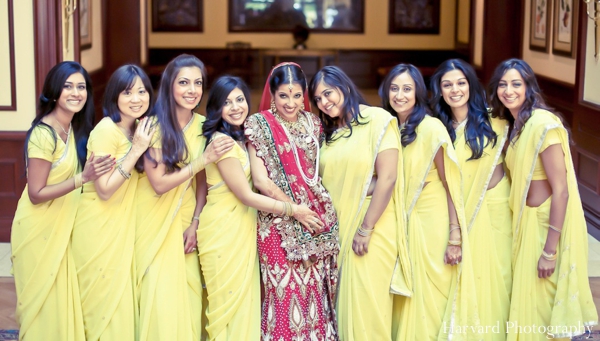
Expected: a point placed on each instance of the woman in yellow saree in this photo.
(227, 231)
(48, 304)
(168, 284)
(104, 232)
(443, 304)
(361, 164)
(459, 102)
(549, 229)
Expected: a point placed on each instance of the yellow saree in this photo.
(48, 304)
(228, 254)
(443, 306)
(366, 284)
(488, 218)
(560, 306)
(168, 284)
(102, 243)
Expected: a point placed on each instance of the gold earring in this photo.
(273, 108)
(302, 106)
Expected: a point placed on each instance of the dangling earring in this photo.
(273, 107)
(302, 106)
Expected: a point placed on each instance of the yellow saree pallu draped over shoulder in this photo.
(48, 304)
(560, 306)
(488, 218)
(168, 284)
(228, 254)
(103, 239)
(366, 284)
(444, 305)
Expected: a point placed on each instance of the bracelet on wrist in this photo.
(124, 173)
(548, 256)
(454, 242)
(78, 179)
(554, 228)
(364, 232)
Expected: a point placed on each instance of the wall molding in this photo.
(11, 48)
(12, 173)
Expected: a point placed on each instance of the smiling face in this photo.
(73, 95)
(329, 99)
(288, 100)
(402, 95)
(235, 109)
(512, 91)
(187, 88)
(455, 89)
(134, 102)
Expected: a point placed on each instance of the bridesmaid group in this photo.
(448, 213)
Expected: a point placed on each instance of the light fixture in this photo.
(595, 17)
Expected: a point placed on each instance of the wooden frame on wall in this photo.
(317, 16)
(539, 26)
(564, 38)
(177, 16)
(85, 24)
(414, 17)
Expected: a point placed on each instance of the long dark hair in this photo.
(123, 79)
(334, 77)
(280, 76)
(217, 96)
(421, 109)
(533, 95)
(478, 131)
(174, 149)
(82, 121)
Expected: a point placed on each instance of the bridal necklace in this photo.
(309, 127)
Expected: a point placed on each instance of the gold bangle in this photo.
(125, 174)
(554, 228)
(456, 228)
(289, 210)
(78, 179)
(548, 256)
(197, 165)
(454, 242)
(364, 232)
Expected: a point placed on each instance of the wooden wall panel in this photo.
(361, 65)
(48, 38)
(12, 173)
(586, 134)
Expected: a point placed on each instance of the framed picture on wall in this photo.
(177, 16)
(414, 17)
(564, 38)
(85, 24)
(343, 16)
(539, 35)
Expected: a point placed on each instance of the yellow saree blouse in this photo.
(229, 258)
(168, 284)
(103, 239)
(366, 284)
(443, 306)
(488, 218)
(560, 306)
(48, 303)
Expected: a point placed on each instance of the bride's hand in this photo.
(309, 219)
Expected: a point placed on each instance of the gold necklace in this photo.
(61, 127)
